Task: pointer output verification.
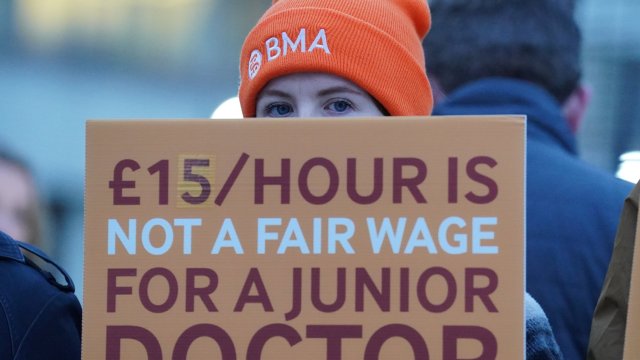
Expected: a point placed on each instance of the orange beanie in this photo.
(376, 44)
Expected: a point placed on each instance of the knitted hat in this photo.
(376, 44)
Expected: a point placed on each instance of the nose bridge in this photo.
(307, 109)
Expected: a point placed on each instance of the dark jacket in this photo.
(39, 317)
(572, 207)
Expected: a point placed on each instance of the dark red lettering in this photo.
(316, 287)
(334, 335)
(303, 181)
(117, 184)
(203, 292)
(172, 294)
(203, 182)
(483, 293)
(117, 333)
(381, 296)
(352, 190)
(404, 289)
(228, 184)
(296, 296)
(162, 168)
(453, 180)
(261, 297)
(227, 350)
(419, 347)
(283, 180)
(492, 186)
(411, 183)
(421, 289)
(451, 335)
(113, 289)
(260, 338)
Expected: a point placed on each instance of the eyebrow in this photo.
(339, 88)
(324, 92)
(278, 93)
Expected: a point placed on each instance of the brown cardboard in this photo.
(615, 317)
(235, 296)
(632, 327)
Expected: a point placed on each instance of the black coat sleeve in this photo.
(39, 317)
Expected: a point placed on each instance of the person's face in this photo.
(16, 194)
(314, 95)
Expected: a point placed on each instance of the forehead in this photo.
(309, 80)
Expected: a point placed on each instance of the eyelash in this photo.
(336, 100)
(271, 107)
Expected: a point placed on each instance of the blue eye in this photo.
(279, 110)
(340, 106)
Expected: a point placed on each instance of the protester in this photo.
(376, 45)
(523, 57)
(318, 58)
(39, 317)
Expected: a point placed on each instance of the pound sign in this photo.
(117, 184)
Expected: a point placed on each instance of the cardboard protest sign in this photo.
(386, 238)
(616, 319)
(632, 327)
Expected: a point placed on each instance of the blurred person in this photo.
(523, 57)
(40, 318)
(21, 215)
(359, 58)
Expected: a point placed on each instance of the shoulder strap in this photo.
(11, 249)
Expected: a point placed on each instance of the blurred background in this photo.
(63, 62)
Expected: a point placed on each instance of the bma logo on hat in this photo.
(255, 61)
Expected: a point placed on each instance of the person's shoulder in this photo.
(37, 267)
(40, 316)
(577, 175)
(541, 342)
(9, 249)
(602, 184)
